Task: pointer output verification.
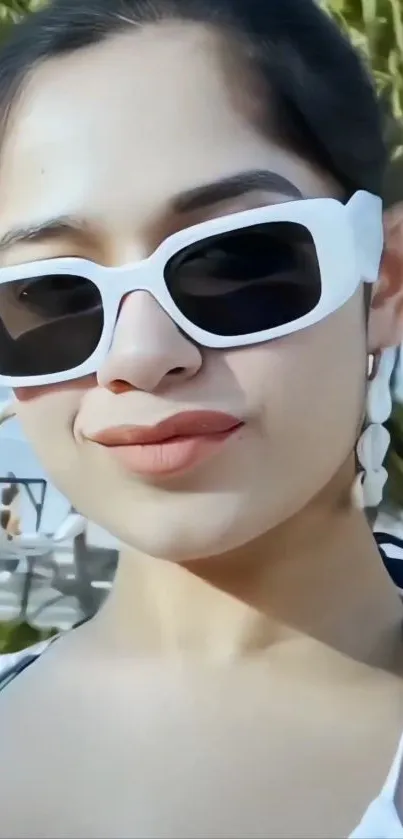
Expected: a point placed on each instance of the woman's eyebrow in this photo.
(233, 187)
(197, 198)
(53, 227)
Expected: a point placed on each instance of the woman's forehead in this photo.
(129, 88)
(122, 127)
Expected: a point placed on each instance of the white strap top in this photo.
(381, 820)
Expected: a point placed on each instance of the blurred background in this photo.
(56, 568)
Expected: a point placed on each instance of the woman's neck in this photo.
(316, 580)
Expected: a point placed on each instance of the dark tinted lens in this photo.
(247, 280)
(48, 324)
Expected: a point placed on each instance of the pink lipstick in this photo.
(174, 445)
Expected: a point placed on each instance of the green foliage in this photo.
(15, 636)
(376, 28)
(13, 10)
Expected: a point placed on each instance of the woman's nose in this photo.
(148, 350)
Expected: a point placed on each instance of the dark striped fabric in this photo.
(391, 550)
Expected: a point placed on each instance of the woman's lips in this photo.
(172, 446)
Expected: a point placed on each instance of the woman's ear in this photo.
(385, 325)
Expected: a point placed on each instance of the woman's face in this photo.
(107, 139)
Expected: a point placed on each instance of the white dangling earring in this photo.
(374, 442)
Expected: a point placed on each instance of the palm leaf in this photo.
(376, 29)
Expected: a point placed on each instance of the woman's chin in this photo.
(173, 533)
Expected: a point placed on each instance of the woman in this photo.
(198, 339)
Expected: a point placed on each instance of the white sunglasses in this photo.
(233, 281)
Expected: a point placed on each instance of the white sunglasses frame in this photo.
(348, 239)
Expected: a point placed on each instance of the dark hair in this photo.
(325, 105)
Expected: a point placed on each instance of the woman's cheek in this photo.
(25, 394)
